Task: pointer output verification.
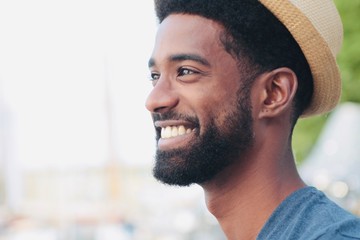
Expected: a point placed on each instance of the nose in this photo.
(162, 97)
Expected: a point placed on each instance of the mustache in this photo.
(172, 115)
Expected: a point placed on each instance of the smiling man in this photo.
(231, 78)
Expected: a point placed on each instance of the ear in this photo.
(278, 89)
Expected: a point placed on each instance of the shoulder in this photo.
(309, 214)
(346, 230)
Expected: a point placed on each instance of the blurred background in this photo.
(76, 143)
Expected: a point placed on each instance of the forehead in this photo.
(183, 33)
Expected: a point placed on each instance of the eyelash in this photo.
(180, 72)
(154, 76)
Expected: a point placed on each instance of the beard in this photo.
(212, 151)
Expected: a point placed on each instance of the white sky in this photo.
(55, 57)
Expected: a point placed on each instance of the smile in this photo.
(174, 131)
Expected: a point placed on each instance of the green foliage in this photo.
(307, 130)
(349, 57)
(305, 135)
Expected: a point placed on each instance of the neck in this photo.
(243, 196)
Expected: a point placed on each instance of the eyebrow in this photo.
(182, 57)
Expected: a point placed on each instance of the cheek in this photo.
(225, 101)
(217, 108)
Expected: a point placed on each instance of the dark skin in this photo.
(243, 195)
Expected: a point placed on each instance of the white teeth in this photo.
(181, 130)
(167, 132)
(174, 131)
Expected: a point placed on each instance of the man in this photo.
(231, 78)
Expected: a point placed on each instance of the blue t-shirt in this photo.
(307, 214)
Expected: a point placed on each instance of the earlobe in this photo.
(279, 88)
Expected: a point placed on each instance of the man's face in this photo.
(200, 105)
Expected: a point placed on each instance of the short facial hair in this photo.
(211, 151)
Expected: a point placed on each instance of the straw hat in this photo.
(317, 28)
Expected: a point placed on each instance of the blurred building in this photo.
(113, 200)
(10, 170)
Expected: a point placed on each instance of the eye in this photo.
(154, 76)
(185, 71)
